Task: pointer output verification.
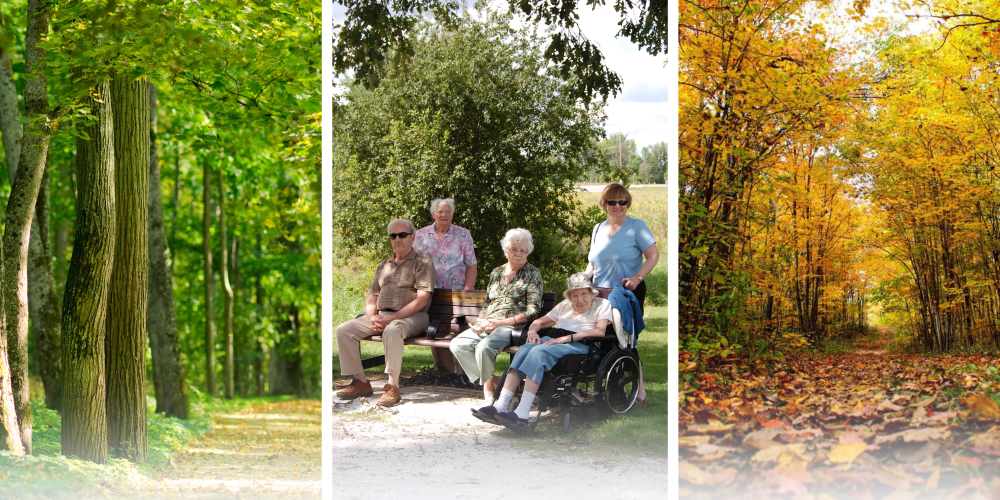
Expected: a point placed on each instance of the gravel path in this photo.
(431, 445)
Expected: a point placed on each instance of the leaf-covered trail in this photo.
(857, 425)
(271, 451)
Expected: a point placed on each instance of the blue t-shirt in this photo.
(619, 256)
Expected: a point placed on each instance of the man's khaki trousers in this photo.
(349, 337)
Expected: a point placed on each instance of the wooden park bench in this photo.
(450, 313)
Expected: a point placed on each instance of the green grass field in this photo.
(644, 429)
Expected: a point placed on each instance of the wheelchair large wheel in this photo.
(617, 382)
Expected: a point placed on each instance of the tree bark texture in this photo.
(85, 301)
(21, 211)
(227, 287)
(10, 123)
(169, 379)
(127, 300)
(44, 307)
(260, 350)
(206, 229)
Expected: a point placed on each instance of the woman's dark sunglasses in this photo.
(404, 234)
(612, 203)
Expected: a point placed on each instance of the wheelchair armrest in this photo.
(592, 340)
(520, 334)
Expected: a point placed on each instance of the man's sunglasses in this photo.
(612, 203)
(404, 234)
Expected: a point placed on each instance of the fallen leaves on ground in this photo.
(866, 424)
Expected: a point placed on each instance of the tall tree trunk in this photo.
(44, 308)
(227, 287)
(21, 211)
(209, 282)
(10, 127)
(128, 302)
(85, 302)
(169, 378)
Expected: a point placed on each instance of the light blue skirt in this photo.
(533, 360)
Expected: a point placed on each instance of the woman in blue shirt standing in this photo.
(618, 245)
(617, 248)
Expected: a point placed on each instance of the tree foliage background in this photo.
(476, 115)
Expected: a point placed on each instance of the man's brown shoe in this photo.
(356, 390)
(390, 397)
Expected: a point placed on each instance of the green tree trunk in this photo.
(227, 287)
(169, 378)
(127, 300)
(85, 301)
(206, 228)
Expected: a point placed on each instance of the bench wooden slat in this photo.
(444, 296)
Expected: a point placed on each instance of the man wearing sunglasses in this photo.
(396, 308)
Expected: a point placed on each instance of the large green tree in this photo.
(473, 115)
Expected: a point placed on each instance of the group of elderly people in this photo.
(622, 251)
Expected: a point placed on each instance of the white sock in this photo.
(505, 396)
(524, 408)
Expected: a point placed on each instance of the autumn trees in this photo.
(766, 215)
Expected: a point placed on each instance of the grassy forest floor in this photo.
(859, 424)
(253, 448)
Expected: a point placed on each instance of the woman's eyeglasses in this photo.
(612, 203)
(403, 234)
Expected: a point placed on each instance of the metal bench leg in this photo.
(373, 362)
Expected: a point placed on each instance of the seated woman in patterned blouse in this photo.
(450, 249)
(514, 296)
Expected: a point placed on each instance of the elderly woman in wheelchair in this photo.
(582, 315)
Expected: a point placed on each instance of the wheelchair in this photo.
(607, 377)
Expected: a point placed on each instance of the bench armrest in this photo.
(432, 330)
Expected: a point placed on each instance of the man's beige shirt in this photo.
(397, 284)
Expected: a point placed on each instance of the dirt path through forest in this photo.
(264, 452)
(857, 425)
(431, 447)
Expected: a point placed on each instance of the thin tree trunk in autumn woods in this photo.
(128, 300)
(85, 300)
(209, 282)
(169, 380)
(227, 287)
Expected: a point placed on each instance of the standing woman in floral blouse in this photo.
(513, 297)
(450, 249)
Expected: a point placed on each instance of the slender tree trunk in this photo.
(209, 282)
(127, 301)
(227, 287)
(169, 378)
(85, 302)
(44, 308)
(10, 127)
(21, 211)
